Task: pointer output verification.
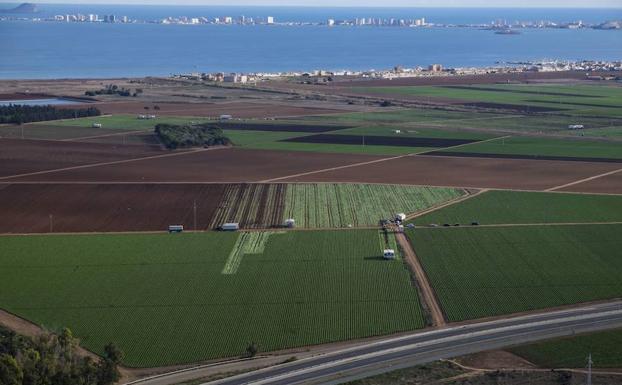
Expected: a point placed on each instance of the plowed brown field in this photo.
(225, 165)
(610, 184)
(464, 172)
(23, 156)
(93, 207)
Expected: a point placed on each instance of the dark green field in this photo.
(493, 207)
(167, 299)
(488, 271)
(572, 352)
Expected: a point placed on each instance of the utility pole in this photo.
(195, 215)
(589, 369)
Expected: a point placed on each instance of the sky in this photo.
(347, 3)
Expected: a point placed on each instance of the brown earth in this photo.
(24, 156)
(225, 165)
(463, 172)
(236, 109)
(496, 359)
(610, 184)
(106, 207)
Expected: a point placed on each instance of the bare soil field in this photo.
(236, 109)
(380, 140)
(105, 207)
(19, 156)
(224, 165)
(610, 184)
(464, 172)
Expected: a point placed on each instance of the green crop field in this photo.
(412, 131)
(488, 271)
(572, 352)
(167, 299)
(494, 207)
(542, 146)
(584, 100)
(126, 122)
(395, 116)
(317, 205)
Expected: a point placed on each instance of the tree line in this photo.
(113, 89)
(18, 113)
(52, 359)
(173, 136)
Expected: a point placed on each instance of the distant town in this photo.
(501, 26)
(325, 77)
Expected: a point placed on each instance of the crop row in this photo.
(170, 302)
(487, 271)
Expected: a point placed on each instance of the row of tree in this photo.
(18, 113)
(52, 359)
(174, 136)
(113, 89)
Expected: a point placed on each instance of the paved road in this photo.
(398, 352)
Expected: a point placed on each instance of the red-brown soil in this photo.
(464, 172)
(23, 96)
(236, 109)
(610, 184)
(105, 207)
(26, 208)
(23, 156)
(223, 165)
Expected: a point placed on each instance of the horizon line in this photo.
(318, 6)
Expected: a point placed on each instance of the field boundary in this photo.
(583, 180)
(90, 165)
(452, 202)
(429, 300)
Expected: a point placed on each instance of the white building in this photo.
(270, 20)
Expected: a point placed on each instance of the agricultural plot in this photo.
(489, 271)
(541, 147)
(587, 100)
(341, 205)
(375, 140)
(328, 148)
(495, 207)
(280, 126)
(251, 205)
(163, 299)
(572, 352)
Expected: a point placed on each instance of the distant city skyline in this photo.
(357, 3)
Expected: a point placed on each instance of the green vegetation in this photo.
(113, 89)
(163, 298)
(542, 146)
(130, 122)
(317, 205)
(53, 359)
(487, 271)
(414, 131)
(339, 148)
(583, 100)
(255, 139)
(433, 373)
(494, 207)
(19, 114)
(173, 136)
(572, 352)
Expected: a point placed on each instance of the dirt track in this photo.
(19, 156)
(425, 289)
(230, 165)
